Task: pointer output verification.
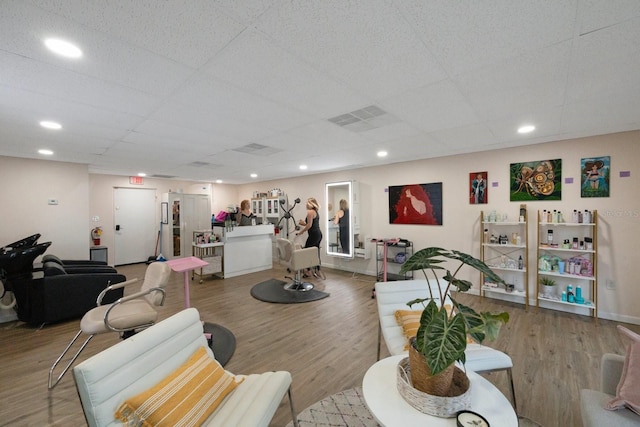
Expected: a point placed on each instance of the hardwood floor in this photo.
(327, 345)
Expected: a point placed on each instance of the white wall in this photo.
(29, 183)
(619, 225)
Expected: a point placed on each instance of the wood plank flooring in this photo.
(327, 345)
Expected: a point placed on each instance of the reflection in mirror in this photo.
(339, 198)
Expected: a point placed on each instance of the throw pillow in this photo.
(187, 396)
(628, 391)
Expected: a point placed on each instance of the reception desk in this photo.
(247, 249)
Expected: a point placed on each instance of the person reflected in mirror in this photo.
(246, 216)
(342, 220)
(311, 224)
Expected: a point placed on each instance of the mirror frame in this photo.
(330, 199)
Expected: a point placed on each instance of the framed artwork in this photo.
(416, 204)
(478, 188)
(595, 172)
(540, 180)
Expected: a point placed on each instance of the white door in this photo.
(136, 230)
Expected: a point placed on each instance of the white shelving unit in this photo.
(504, 248)
(553, 256)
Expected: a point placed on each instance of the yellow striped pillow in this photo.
(186, 397)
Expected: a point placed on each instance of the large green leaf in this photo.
(424, 259)
(493, 322)
(474, 322)
(426, 318)
(443, 341)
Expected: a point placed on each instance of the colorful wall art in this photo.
(540, 180)
(416, 204)
(595, 172)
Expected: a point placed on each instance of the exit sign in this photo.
(136, 180)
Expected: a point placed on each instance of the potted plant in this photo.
(442, 335)
(548, 283)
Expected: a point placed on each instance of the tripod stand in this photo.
(287, 216)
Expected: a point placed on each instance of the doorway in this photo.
(135, 224)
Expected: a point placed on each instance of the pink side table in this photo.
(185, 265)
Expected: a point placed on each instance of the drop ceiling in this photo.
(207, 90)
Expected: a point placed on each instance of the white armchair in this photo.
(296, 260)
(393, 296)
(132, 366)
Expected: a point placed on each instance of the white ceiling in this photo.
(164, 84)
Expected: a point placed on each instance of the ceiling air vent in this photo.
(257, 149)
(364, 119)
(163, 176)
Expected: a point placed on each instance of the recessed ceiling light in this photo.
(45, 152)
(63, 48)
(218, 181)
(142, 174)
(382, 153)
(254, 175)
(526, 129)
(50, 125)
(303, 167)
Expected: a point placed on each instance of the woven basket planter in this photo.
(421, 378)
(439, 406)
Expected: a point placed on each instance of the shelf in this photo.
(569, 276)
(504, 291)
(590, 304)
(515, 250)
(507, 245)
(517, 270)
(582, 251)
(503, 223)
(568, 224)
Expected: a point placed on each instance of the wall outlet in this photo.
(610, 284)
(95, 218)
(52, 201)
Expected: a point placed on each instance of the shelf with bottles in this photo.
(567, 251)
(504, 249)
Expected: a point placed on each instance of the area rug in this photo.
(347, 409)
(223, 342)
(344, 409)
(273, 291)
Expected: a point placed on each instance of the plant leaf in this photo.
(445, 340)
(426, 318)
(493, 322)
(424, 259)
(474, 322)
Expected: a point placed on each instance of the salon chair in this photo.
(71, 262)
(125, 316)
(297, 260)
(53, 295)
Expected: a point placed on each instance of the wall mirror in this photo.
(338, 209)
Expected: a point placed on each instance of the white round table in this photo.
(380, 391)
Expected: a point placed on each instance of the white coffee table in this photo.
(388, 407)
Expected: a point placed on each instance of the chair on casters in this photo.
(297, 260)
(393, 296)
(125, 316)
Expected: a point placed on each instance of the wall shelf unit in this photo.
(567, 253)
(504, 246)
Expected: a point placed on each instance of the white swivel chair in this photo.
(393, 296)
(126, 315)
(296, 260)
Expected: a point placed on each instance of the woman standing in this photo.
(342, 220)
(312, 225)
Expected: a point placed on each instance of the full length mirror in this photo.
(340, 235)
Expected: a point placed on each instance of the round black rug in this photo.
(273, 290)
(223, 342)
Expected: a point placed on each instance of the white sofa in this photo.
(592, 402)
(392, 296)
(134, 365)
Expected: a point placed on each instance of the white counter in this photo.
(247, 249)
